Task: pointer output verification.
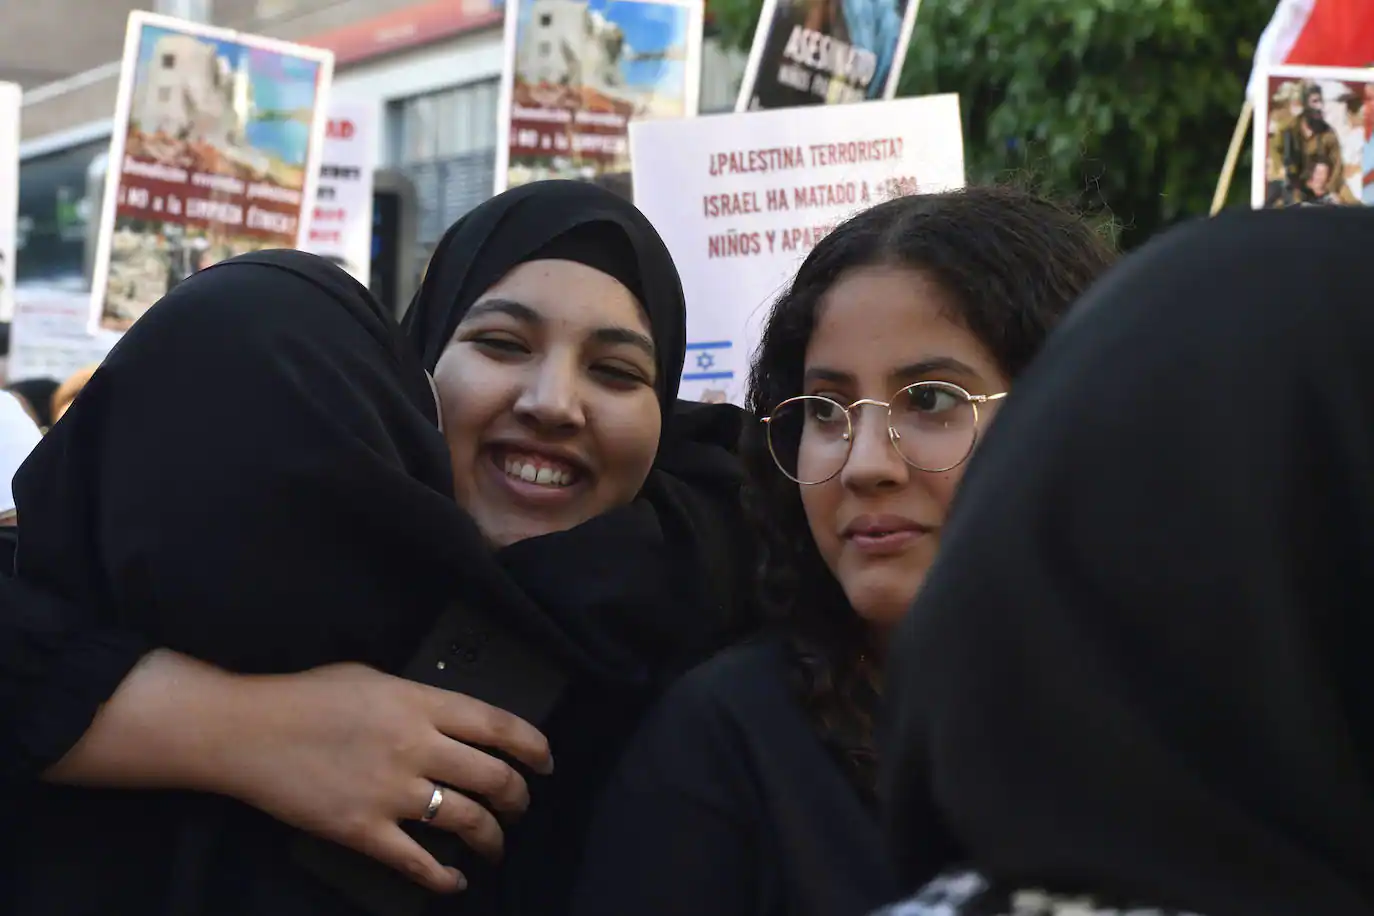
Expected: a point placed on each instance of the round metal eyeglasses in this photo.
(932, 425)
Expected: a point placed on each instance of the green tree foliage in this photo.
(1122, 107)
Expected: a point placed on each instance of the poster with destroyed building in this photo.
(10, 95)
(579, 71)
(215, 153)
(826, 52)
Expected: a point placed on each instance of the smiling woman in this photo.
(549, 390)
(554, 322)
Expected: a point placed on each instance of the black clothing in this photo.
(209, 491)
(1138, 668)
(727, 803)
(254, 477)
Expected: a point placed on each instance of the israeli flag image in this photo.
(706, 361)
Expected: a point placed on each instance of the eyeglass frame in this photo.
(892, 435)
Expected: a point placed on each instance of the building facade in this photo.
(431, 68)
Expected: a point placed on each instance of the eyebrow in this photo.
(521, 312)
(517, 310)
(911, 371)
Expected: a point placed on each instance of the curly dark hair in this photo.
(1014, 263)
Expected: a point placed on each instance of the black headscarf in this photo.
(565, 220)
(226, 457)
(660, 581)
(1140, 665)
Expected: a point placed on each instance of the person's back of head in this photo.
(1139, 670)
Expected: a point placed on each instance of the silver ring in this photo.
(435, 801)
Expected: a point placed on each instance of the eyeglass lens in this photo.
(933, 426)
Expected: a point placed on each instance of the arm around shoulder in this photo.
(172, 723)
(57, 669)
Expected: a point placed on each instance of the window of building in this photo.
(445, 143)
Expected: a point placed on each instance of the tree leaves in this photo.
(1123, 108)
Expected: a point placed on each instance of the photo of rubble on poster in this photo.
(219, 156)
(579, 71)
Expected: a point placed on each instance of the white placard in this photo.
(741, 199)
(51, 336)
(341, 229)
(10, 96)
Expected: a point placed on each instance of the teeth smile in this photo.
(538, 472)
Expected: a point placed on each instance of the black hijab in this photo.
(225, 457)
(1139, 666)
(633, 595)
(254, 477)
(565, 220)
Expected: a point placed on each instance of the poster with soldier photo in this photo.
(215, 152)
(826, 52)
(1312, 138)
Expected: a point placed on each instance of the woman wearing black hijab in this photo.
(1160, 695)
(626, 597)
(611, 615)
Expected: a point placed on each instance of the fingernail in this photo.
(548, 767)
(462, 880)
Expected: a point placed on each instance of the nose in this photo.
(873, 463)
(551, 401)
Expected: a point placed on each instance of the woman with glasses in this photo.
(751, 790)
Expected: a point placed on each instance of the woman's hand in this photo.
(346, 752)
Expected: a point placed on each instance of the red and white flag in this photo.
(1317, 33)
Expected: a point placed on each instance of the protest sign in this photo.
(579, 71)
(10, 96)
(741, 199)
(341, 229)
(51, 336)
(215, 152)
(1312, 134)
(819, 52)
